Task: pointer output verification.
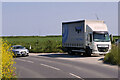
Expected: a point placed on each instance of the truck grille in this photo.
(103, 49)
(23, 52)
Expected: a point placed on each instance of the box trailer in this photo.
(85, 36)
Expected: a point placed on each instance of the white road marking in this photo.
(21, 60)
(30, 61)
(50, 66)
(76, 76)
(25, 60)
(24, 57)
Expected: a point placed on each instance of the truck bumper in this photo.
(97, 52)
(21, 54)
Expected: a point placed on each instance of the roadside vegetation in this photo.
(6, 56)
(114, 56)
(38, 44)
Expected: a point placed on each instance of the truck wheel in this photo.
(88, 52)
(71, 53)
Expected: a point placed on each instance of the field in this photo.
(38, 43)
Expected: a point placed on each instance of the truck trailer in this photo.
(85, 36)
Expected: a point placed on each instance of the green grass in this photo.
(38, 43)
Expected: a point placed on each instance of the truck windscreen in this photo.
(101, 36)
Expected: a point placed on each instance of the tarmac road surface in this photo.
(59, 65)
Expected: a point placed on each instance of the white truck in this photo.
(85, 36)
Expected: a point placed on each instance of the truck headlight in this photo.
(110, 46)
(94, 47)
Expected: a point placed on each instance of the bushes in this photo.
(45, 47)
(114, 56)
(8, 71)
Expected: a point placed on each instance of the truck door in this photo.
(89, 40)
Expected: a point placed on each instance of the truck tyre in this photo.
(88, 52)
(70, 52)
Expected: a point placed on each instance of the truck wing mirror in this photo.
(90, 37)
(111, 37)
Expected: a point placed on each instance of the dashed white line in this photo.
(50, 66)
(30, 61)
(76, 76)
(25, 60)
(24, 57)
(21, 60)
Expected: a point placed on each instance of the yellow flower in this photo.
(6, 59)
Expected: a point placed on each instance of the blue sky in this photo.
(45, 18)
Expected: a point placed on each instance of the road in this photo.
(58, 65)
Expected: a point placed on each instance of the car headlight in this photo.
(27, 51)
(94, 46)
(16, 52)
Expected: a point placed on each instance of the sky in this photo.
(45, 18)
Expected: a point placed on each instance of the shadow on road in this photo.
(101, 59)
(19, 56)
(64, 56)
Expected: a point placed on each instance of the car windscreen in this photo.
(18, 47)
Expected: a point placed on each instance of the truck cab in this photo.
(98, 39)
